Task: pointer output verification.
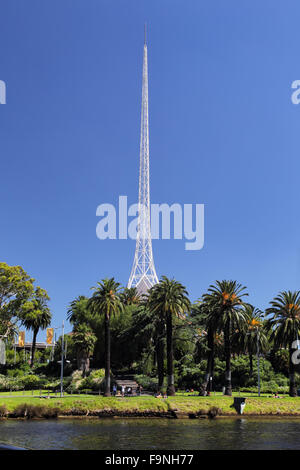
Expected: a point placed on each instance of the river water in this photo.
(151, 434)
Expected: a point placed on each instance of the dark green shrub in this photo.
(32, 382)
(280, 361)
(189, 377)
(148, 383)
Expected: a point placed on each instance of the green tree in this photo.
(280, 360)
(206, 327)
(79, 312)
(106, 302)
(128, 348)
(84, 341)
(35, 315)
(70, 352)
(147, 330)
(16, 286)
(253, 336)
(169, 299)
(130, 296)
(285, 327)
(227, 312)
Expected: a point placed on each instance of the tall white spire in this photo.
(143, 274)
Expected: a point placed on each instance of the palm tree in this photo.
(252, 338)
(84, 341)
(35, 315)
(106, 302)
(226, 312)
(130, 296)
(285, 326)
(78, 311)
(169, 299)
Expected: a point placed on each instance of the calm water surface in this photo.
(129, 434)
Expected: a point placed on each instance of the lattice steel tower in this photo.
(143, 274)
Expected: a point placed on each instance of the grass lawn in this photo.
(85, 404)
(264, 405)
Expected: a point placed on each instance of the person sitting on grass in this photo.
(158, 395)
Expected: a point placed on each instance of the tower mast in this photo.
(143, 274)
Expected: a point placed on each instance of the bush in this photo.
(52, 386)
(280, 361)
(148, 383)
(3, 383)
(51, 413)
(213, 412)
(97, 374)
(93, 382)
(267, 387)
(86, 390)
(32, 382)
(18, 369)
(29, 411)
(190, 377)
(7, 384)
(3, 411)
(71, 389)
(14, 373)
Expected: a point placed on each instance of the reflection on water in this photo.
(113, 434)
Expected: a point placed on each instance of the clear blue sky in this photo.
(223, 132)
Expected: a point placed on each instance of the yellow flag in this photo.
(49, 335)
(22, 339)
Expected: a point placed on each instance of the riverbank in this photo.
(144, 406)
